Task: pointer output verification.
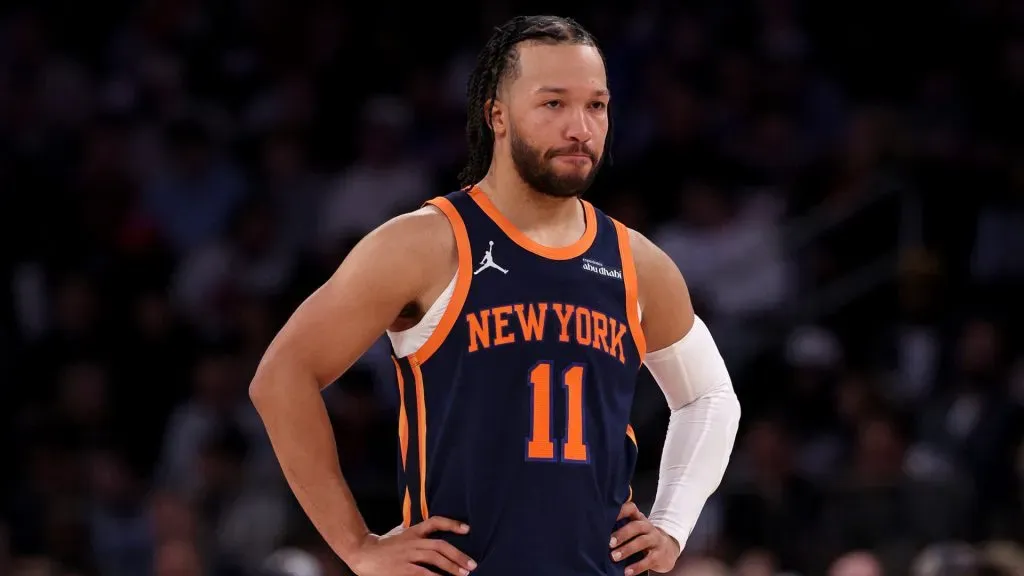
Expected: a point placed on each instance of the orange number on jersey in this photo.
(573, 449)
(539, 445)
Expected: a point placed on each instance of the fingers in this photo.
(438, 524)
(438, 552)
(651, 563)
(438, 560)
(640, 567)
(629, 510)
(628, 532)
(638, 544)
(452, 553)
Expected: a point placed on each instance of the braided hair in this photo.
(498, 62)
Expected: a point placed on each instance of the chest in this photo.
(578, 303)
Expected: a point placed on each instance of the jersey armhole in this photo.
(629, 279)
(408, 341)
(463, 278)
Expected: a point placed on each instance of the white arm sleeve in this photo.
(701, 430)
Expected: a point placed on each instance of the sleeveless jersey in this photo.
(514, 414)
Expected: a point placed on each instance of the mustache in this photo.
(578, 148)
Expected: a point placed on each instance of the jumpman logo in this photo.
(488, 261)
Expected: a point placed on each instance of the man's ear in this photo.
(496, 116)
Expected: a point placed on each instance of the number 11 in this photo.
(539, 445)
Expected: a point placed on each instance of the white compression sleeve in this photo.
(701, 431)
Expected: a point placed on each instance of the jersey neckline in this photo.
(576, 249)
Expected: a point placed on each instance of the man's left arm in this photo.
(688, 367)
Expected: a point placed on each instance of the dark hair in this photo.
(498, 62)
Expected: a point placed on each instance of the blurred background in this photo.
(841, 183)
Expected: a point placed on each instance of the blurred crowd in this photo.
(841, 183)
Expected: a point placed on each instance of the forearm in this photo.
(300, 432)
(702, 428)
(697, 449)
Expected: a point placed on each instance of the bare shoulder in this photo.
(667, 312)
(423, 233)
(412, 256)
(402, 261)
(646, 254)
(654, 268)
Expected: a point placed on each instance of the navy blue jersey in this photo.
(515, 413)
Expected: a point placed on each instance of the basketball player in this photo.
(519, 316)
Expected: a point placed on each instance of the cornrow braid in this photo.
(498, 62)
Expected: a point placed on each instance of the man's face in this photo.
(553, 117)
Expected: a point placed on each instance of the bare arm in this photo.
(664, 297)
(390, 268)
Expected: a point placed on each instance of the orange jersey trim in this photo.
(632, 436)
(421, 428)
(461, 291)
(403, 440)
(564, 253)
(403, 418)
(632, 290)
(407, 508)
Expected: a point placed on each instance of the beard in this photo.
(535, 167)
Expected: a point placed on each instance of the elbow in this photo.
(259, 387)
(721, 405)
(733, 402)
(280, 372)
(731, 413)
(729, 407)
(266, 378)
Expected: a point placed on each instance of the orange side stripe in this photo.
(407, 509)
(632, 436)
(465, 277)
(421, 421)
(632, 291)
(564, 253)
(403, 418)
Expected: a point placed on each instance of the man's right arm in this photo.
(391, 267)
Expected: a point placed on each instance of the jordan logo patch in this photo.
(488, 261)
